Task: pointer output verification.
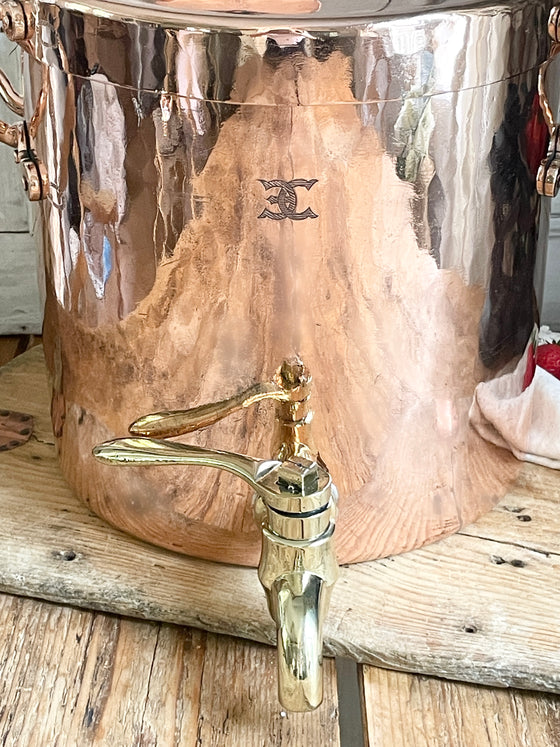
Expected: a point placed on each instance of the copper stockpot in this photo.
(349, 184)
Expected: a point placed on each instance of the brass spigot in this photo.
(295, 507)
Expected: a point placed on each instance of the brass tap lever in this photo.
(290, 385)
(292, 487)
(169, 423)
(295, 508)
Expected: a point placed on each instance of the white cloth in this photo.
(525, 422)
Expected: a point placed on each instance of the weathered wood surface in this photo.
(72, 678)
(404, 710)
(482, 606)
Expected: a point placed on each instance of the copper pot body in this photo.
(226, 193)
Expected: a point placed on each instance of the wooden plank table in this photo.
(71, 676)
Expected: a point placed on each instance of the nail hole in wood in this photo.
(497, 559)
(517, 563)
(524, 517)
(65, 555)
(470, 629)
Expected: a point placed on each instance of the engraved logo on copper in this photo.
(286, 199)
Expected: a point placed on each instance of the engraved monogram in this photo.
(286, 199)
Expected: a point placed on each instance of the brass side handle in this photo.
(16, 21)
(548, 175)
(10, 96)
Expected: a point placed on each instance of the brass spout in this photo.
(297, 602)
(298, 569)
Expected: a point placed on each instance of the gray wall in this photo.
(19, 297)
(551, 298)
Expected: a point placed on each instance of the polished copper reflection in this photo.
(223, 197)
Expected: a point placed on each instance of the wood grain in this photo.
(9, 348)
(246, 712)
(411, 711)
(480, 606)
(70, 677)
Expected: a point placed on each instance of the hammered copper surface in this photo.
(197, 239)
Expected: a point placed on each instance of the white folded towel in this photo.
(525, 422)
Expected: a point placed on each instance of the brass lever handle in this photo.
(168, 423)
(291, 384)
(293, 487)
(148, 451)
